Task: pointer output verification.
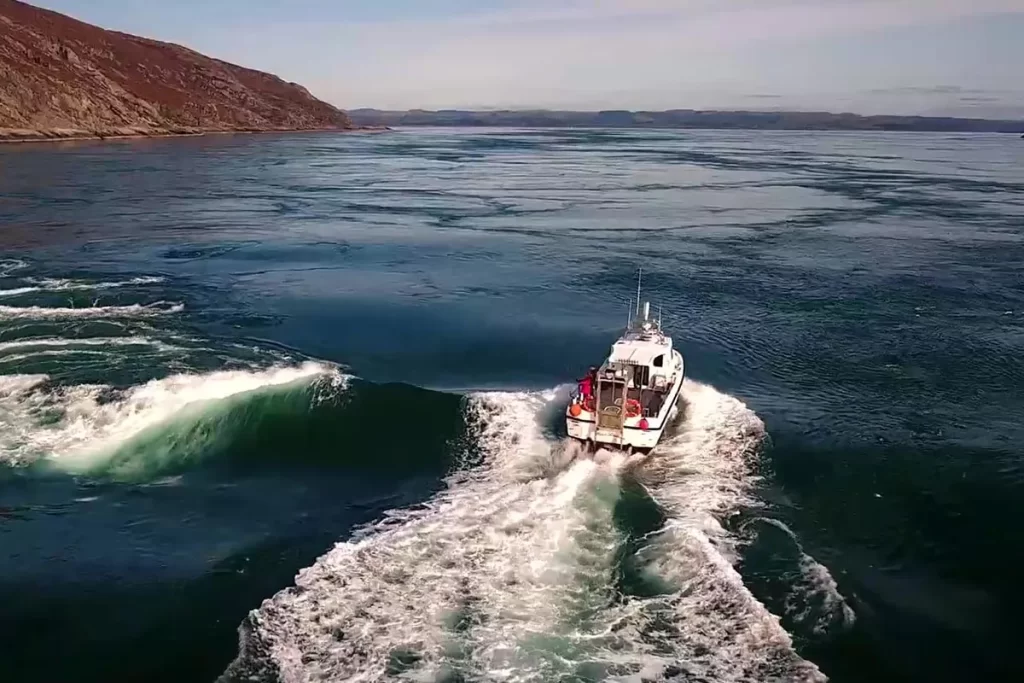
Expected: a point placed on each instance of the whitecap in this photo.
(89, 428)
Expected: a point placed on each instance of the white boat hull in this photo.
(628, 439)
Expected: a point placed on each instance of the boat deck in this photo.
(651, 400)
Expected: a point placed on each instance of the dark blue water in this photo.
(224, 361)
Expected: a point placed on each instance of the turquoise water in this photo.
(227, 361)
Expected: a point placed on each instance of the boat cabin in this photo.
(629, 401)
(638, 374)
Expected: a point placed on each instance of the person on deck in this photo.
(587, 384)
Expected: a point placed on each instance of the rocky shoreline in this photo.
(16, 135)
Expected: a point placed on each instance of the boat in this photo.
(634, 395)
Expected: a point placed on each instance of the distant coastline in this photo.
(681, 118)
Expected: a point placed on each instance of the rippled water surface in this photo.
(288, 408)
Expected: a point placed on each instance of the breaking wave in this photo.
(148, 429)
(525, 569)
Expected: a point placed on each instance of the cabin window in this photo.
(652, 403)
(659, 362)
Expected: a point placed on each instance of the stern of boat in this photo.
(609, 429)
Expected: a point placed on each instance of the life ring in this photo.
(633, 408)
(588, 404)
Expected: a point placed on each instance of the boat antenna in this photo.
(659, 316)
(639, 277)
(629, 314)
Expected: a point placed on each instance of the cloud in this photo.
(599, 53)
(980, 100)
(931, 90)
(731, 19)
(951, 100)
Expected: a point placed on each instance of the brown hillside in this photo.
(60, 77)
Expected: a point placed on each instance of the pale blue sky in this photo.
(960, 57)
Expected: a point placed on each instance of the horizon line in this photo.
(584, 110)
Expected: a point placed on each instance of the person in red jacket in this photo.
(587, 384)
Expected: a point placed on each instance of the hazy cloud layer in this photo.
(916, 56)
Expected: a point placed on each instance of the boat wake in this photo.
(804, 590)
(530, 565)
(518, 570)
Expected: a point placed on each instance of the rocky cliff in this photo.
(60, 77)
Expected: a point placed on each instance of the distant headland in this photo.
(61, 78)
(681, 118)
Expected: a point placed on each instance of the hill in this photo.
(680, 118)
(60, 77)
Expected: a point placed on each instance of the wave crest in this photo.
(143, 429)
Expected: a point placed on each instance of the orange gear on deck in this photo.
(633, 408)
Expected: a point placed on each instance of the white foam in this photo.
(51, 353)
(817, 584)
(71, 343)
(468, 581)
(14, 385)
(813, 600)
(706, 624)
(703, 470)
(131, 311)
(509, 574)
(88, 429)
(65, 285)
(17, 291)
(8, 266)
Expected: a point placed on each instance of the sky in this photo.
(933, 57)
